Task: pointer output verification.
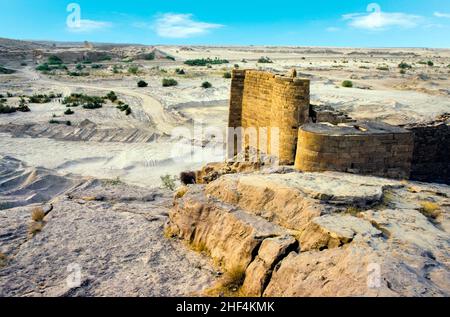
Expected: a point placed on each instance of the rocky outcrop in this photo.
(332, 234)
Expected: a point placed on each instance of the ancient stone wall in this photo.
(362, 147)
(431, 156)
(263, 100)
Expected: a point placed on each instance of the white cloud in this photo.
(173, 25)
(84, 26)
(442, 15)
(333, 29)
(375, 19)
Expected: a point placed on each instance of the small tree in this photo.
(133, 70)
(168, 182)
(142, 84)
(169, 82)
(206, 85)
(112, 96)
(347, 84)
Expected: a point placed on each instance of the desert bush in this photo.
(430, 63)
(227, 75)
(142, 84)
(3, 260)
(347, 84)
(23, 64)
(96, 66)
(170, 58)
(40, 99)
(168, 182)
(188, 178)
(404, 65)
(265, 60)
(206, 85)
(229, 285)
(149, 56)
(54, 60)
(92, 106)
(23, 107)
(133, 70)
(6, 109)
(6, 71)
(43, 68)
(111, 96)
(87, 61)
(123, 107)
(35, 228)
(37, 214)
(180, 71)
(105, 58)
(169, 82)
(430, 209)
(402, 71)
(383, 68)
(128, 111)
(206, 61)
(79, 67)
(69, 112)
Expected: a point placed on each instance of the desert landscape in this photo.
(94, 137)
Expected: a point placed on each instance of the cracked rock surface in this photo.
(344, 235)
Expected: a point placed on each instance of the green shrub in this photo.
(402, 71)
(142, 84)
(430, 63)
(23, 64)
(180, 71)
(96, 66)
(128, 111)
(6, 71)
(123, 107)
(79, 67)
(69, 112)
(133, 70)
(111, 96)
(205, 61)
(40, 99)
(168, 182)
(6, 109)
(169, 82)
(347, 84)
(92, 106)
(383, 68)
(149, 56)
(265, 60)
(43, 68)
(404, 65)
(54, 60)
(227, 75)
(206, 85)
(170, 58)
(105, 58)
(23, 107)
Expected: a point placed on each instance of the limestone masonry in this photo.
(264, 101)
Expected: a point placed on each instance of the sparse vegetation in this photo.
(168, 182)
(35, 228)
(206, 61)
(134, 70)
(6, 109)
(40, 99)
(179, 71)
(347, 84)
(53, 121)
(54, 60)
(169, 82)
(149, 56)
(88, 102)
(206, 85)
(69, 112)
(229, 285)
(383, 68)
(23, 106)
(37, 214)
(227, 75)
(111, 96)
(96, 66)
(170, 58)
(430, 209)
(265, 60)
(404, 65)
(142, 84)
(124, 108)
(6, 71)
(430, 63)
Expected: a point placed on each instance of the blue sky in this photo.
(356, 23)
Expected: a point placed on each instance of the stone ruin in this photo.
(263, 101)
